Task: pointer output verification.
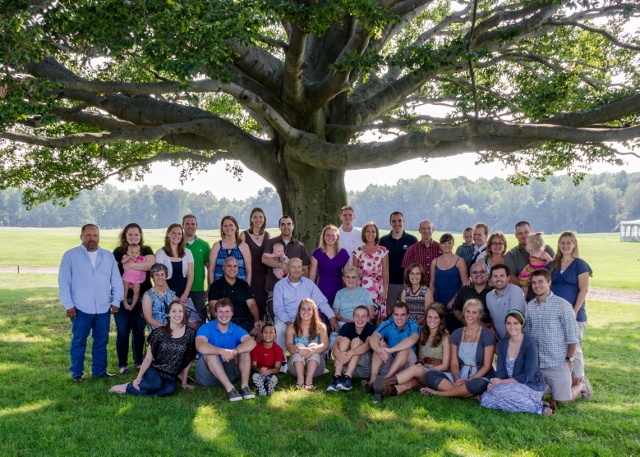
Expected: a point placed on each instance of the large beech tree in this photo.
(301, 91)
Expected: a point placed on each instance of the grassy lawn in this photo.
(616, 265)
(43, 413)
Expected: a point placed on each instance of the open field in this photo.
(616, 265)
(44, 414)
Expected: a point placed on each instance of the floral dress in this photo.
(371, 279)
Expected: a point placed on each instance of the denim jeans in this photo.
(129, 323)
(81, 326)
(153, 385)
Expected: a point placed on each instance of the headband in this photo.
(515, 311)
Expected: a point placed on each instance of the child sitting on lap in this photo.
(131, 278)
(538, 259)
(278, 254)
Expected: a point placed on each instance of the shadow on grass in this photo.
(43, 413)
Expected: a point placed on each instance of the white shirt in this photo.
(350, 241)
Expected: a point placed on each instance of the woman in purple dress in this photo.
(327, 263)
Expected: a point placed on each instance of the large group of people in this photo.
(401, 313)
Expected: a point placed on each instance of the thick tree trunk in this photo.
(313, 198)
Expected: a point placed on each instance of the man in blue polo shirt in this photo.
(225, 353)
(393, 344)
(397, 242)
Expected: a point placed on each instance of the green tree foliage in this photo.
(300, 92)
(596, 205)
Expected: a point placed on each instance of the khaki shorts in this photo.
(363, 369)
(386, 366)
(558, 381)
(298, 358)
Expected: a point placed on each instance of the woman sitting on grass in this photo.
(171, 350)
(518, 384)
(307, 341)
(433, 354)
(472, 349)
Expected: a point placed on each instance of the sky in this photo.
(223, 185)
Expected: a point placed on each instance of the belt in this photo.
(431, 361)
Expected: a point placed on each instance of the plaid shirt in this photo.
(553, 326)
(422, 254)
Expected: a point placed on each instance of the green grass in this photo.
(42, 413)
(616, 265)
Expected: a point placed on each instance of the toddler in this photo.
(466, 249)
(132, 278)
(278, 254)
(266, 359)
(538, 258)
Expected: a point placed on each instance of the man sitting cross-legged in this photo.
(393, 345)
(224, 351)
(352, 350)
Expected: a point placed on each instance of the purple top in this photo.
(330, 272)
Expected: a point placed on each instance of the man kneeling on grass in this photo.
(352, 350)
(393, 345)
(224, 355)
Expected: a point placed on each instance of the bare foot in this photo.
(119, 389)
(427, 391)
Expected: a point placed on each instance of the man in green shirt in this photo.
(200, 250)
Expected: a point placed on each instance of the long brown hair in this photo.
(232, 219)
(314, 325)
(257, 210)
(181, 245)
(185, 316)
(555, 263)
(441, 331)
(122, 238)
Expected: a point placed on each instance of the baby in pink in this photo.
(131, 278)
(278, 254)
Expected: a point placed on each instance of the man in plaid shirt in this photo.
(550, 321)
(424, 251)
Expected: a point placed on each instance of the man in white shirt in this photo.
(350, 237)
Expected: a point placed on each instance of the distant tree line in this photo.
(596, 205)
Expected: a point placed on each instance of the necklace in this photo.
(415, 292)
(470, 335)
(257, 237)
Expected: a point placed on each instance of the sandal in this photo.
(548, 409)
(300, 386)
(309, 387)
(125, 370)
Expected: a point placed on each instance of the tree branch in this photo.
(604, 33)
(293, 66)
(484, 134)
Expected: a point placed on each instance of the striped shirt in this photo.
(553, 326)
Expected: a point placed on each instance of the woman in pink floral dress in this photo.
(373, 262)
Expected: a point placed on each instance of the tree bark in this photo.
(313, 198)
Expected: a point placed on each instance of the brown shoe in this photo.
(389, 391)
(368, 387)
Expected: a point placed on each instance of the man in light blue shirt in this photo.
(287, 295)
(90, 289)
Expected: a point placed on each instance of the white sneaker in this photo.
(283, 367)
(259, 382)
(271, 384)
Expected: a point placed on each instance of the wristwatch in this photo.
(571, 359)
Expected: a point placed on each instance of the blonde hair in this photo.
(323, 243)
(555, 263)
(536, 241)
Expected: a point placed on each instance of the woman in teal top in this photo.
(307, 341)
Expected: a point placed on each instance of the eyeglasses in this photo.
(350, 277)
(497, 244)
(479, 272)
